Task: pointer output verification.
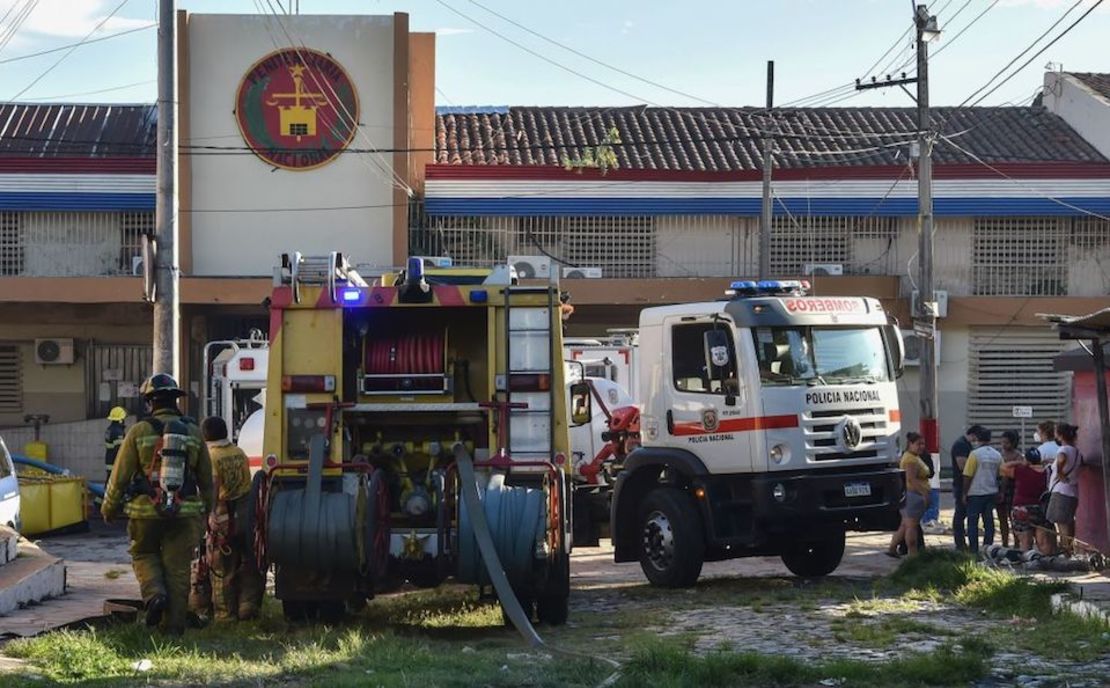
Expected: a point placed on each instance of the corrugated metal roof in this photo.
(1099, 83)
(729, 139)
(30, 130)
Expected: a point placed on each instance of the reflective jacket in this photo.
(113, 438)
(131, 474)
(232, 471)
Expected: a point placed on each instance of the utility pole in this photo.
(925, 314)
(768, 163)
(167, 304)
(925, 319)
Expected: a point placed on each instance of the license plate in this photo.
(857, 489)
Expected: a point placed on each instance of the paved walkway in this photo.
(97, 568)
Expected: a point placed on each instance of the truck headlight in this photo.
(779, 492)
(780, 453)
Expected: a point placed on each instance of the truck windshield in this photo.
(821, 355)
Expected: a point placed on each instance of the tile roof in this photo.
(728, 139)
(1099, 83)
(30, 130)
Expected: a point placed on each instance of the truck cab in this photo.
(769, 426)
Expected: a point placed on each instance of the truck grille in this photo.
(822, 443)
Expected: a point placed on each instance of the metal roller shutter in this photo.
(1014, 368)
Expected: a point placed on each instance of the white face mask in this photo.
(1036, 437)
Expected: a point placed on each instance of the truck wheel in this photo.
(672, 545)
(814, 558)
(553, 604)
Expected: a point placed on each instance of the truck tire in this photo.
(814, 558)
(672, 544)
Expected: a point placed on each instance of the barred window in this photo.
(11, 244)
(862, 245)
(1019, 256)
(1090, 233)
(132, 227)
(622, 247)
(11, 383)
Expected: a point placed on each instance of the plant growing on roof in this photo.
(601, 157)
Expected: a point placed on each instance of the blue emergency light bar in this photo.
(741, 288)
(351, 296)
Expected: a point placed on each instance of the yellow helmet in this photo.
(117, 414)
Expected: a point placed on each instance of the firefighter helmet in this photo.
(160, 384)
(117, 414)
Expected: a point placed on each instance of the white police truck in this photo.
(769, 426)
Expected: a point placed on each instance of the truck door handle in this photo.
(670, 422)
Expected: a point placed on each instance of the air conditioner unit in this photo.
(942, 303)
(137, 266)
(913, 343)
(54, 351)
(823, 269)
(582, 273)
(531, 267)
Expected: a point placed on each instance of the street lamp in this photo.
(927, 26)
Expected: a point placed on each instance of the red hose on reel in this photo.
(406, 355)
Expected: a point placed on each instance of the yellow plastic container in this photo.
(35, 449)
(51, 502)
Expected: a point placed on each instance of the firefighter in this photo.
(236, 584)
(163, 479)
(113, 438)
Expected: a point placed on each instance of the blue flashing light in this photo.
(769, 285)
(479, 296)
(351, 296)
(415, 270)
(768, 288)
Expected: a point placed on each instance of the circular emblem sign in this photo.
(297, 109)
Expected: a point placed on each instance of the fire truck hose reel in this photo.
(479, 531)
(309, 527)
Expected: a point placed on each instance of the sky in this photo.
(712, 52)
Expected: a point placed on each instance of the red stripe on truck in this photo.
(737, 425)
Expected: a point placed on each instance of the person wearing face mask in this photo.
(1048, 450)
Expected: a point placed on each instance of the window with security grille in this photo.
(11, 383)
(1019, 256)
(999, 358)
(132, 227)
(1090, 233)
(622, 247)
(11, 244)
(862, 245)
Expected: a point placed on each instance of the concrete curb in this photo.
(32, 577)
(1089, 610)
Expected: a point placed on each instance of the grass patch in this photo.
(883, 633)
(395, 643)
(661, 665)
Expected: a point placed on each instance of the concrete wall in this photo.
(1083, 109)
(221, 50)
(78, 446)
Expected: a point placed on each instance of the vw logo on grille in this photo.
(851, 432)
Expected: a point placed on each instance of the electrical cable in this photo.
(60, 48)
(69, 52)
(92, 93)
(10, 30)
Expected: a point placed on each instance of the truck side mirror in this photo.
(580, 404)
(897, 349)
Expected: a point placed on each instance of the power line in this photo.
(1026, 50)
(69, 52)
(596, 61)
(10, 30)
(100, 90)
(966, 26)
(60, 48)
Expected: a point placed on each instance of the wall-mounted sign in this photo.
(297, 109)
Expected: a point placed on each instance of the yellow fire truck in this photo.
(415, 430)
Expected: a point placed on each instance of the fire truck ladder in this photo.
(529, 351)
(331, 269)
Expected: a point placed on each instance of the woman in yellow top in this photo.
(917, 494)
